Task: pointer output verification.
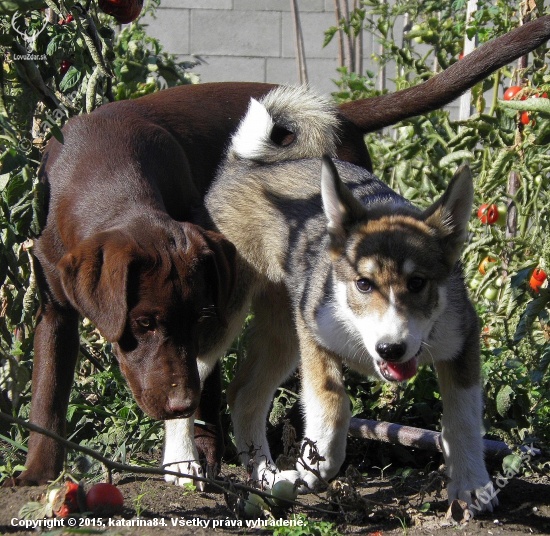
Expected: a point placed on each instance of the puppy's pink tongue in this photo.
(402, 371)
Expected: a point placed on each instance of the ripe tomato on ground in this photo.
(104, 499)
(66, 500)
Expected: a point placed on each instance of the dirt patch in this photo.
(396, 501)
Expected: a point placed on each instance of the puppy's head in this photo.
(149, 288)
(391, 266)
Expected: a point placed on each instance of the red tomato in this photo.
(539, 274)
(64, 67)
(538, 277)
(534, 284)
(526, 119)
(104, 499)
(461, 55)
(488, 214)
(484, 265)
(510, 93)
(124, 11)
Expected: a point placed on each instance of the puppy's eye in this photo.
(146, 322)
(364, 285)
(416, 284)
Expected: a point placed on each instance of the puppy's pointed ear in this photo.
(450, 214)
(341, 208)
(94, 276)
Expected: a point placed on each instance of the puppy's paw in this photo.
(308, 482)
(191, 468)
(479, 499)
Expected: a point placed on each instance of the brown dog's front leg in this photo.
(209, 437)
(56, 346)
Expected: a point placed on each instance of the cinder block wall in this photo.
(251, 40)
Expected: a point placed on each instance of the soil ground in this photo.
(383, 502)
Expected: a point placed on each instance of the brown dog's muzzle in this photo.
(167, 389)
(182, 401)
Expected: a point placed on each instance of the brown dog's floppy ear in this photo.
(222, 271)
(94, 275)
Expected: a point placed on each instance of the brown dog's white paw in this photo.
(180, 454)
(193, 469)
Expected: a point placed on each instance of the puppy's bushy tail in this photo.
(287, 124)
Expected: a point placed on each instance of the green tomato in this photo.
(283, 491)
(491, 293)
(474, 283)
(254, 506)
(429, 36)
(502, 214)
(417, 28)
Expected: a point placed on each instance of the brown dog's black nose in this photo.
(182, 403)
(391, 351)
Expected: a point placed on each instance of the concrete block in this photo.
(171, 28)
(197, 4)
(320, 73)
(313, 28)
(231, 69)
(277, 5)
(235, 33)
(281, 71)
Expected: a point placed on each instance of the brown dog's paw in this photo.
(21, 481)
(210, 446)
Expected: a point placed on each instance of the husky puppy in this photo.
(345, 271)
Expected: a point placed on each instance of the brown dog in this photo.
(115, 248)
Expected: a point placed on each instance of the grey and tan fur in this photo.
(342, 270)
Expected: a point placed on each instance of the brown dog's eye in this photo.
(146, 322)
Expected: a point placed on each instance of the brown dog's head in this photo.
(148, 287)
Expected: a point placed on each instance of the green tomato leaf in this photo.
(71, 78)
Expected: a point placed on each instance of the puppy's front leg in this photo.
(327, 411)
(460, 386)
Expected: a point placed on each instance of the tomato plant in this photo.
(83, 62)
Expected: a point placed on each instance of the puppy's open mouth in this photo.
(399, 372)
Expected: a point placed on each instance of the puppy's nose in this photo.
(391, 351)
